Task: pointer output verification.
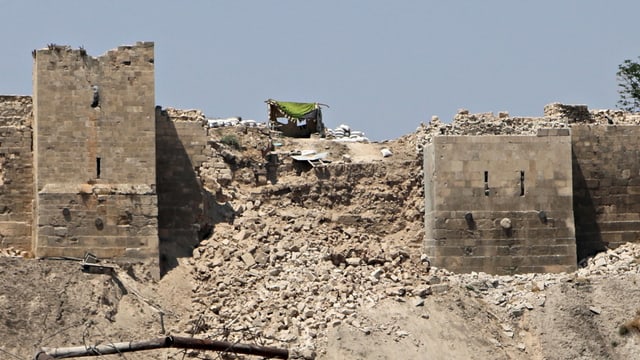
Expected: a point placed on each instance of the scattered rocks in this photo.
(556, 116)
(595, 310)
(13, 252)
(306, 270)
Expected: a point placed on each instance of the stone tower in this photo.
(94, 153)
(500, 203)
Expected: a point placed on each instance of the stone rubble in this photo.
(13, 252)
(285, 270)
(296, 294)
(556, 116)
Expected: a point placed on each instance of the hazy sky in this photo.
(382, 66)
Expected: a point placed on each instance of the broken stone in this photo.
(423, 292)
(248, 259)
(353, 261)
(538, 285)
(241, 235)
(395, 291)
(377, 273)
(600, 262)
(495, 342)
(542, 300)
(439, 288)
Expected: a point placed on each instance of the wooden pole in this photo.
(166, 342)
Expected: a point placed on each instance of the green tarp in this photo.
(294, 109)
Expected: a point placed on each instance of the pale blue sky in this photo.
(382, 66)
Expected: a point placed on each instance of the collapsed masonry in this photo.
(538, 195)
(112, 174)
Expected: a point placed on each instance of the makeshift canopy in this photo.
(303, 118)
(295, 110)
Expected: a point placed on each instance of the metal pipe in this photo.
(166, 342)
(224, 346)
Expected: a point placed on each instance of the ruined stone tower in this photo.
(499, 204)
(94, 153)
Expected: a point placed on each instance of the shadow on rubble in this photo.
(588, 236)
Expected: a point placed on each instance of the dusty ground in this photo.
(325, 262)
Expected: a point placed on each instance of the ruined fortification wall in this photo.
(494, 204)
(94, 152)
(16, 172)
(181, 141)
(606, 186)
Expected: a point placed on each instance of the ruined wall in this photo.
(94, 152)
(16, 172)
(606, 186)
(500, 204)
(181, 141)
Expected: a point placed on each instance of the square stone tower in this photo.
(94, 153)
(500, 204)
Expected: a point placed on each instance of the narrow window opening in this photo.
(96, 96)
(486, 183)
(97, 168)
(521, 182)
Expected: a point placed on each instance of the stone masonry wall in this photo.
(181, 141)
(495, 204)
(94, 152)
(606, 186)
(16, 172)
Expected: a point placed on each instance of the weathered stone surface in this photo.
(94, 136)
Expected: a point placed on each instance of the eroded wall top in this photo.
(94, 118)
(15, 110)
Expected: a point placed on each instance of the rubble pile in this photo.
(292, 278)
(555, 116)
(302, 255)
(13, 252)
(185, 115)
(465, 123)
(308, 253)
(291, 288)
(513, 295)
(232, 155)
(330, 248)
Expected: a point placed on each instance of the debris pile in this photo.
(291, 279)
(307, 254)
(185, 115)
(302, 255)
(13, 252)
(555, 116)
(324, 250)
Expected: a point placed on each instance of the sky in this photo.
(383, 67)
